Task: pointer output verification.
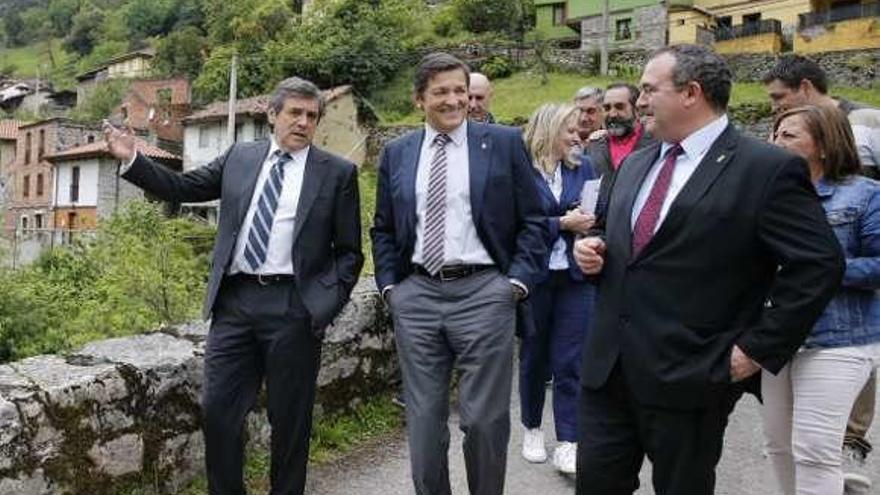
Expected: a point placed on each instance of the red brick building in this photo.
(30, 175)
(155, 108)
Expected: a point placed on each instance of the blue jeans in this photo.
(562, 310)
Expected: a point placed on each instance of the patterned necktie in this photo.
(435, 208)
(646, 223)
(261, 225)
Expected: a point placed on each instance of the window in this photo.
(90, 139)
(752, 18)
(27, 147)
(74, 185)
(26, 186)
(559, 14)
(725, 21)
(261, 129)
(622, 30)
(39, 185)
(38, 221)
(163, 96)
(41, 146)
(203, 136)
(24, 223)
(71, 220)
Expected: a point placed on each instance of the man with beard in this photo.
(623, 131)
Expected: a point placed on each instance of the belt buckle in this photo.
(446, 278)
(261, 281)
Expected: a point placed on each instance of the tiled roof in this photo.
(253, 106)
(99, 148)
(9, 129)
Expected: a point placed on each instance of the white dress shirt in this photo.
(279, 258)
(558, 256)
(461, 245)
(695, 148)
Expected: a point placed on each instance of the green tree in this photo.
(60, 13)
(13, 26)
(145, 18)
(510, 17)
(84, 31)
(182, 52)
(101, 102)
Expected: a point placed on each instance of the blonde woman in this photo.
(562, 299)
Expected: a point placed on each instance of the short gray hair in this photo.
(296, 87)
(700, 64)
(589, 92)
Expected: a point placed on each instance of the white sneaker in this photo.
(533, 445)
(855, 481)
(565, 457)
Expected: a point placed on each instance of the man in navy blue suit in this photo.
(457, 242)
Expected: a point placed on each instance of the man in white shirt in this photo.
(700, 230)
(286, 257)
(458, 239)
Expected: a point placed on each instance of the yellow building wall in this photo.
(786, 11)
(683, 26)
(761, 43)
(844, 35)
(131, 68)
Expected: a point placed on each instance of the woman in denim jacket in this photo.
(562, 301)
(806, 406)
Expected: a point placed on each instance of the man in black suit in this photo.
(714, 259)
(286, 257)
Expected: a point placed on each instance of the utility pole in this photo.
(603, 41)
(230, 121)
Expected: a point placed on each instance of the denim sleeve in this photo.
(863, 272)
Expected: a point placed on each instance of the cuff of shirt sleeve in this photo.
(385, 290)
(124, 168)
(521, 286)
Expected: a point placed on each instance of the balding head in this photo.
(480, 97)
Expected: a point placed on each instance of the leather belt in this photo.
(267, 279)
(454, 272)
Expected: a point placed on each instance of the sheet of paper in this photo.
(590, 196)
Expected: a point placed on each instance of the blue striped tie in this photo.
(261, 225)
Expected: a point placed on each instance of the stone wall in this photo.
(857, 68)
(126, 411)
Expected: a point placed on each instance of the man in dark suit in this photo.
(286, 257)
(623, 133)
(714, 260)
(457, 241)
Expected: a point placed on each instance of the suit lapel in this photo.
(479, 161)
(406, 177)
(251, 167)
(313, 176)
(570, 191)
(544, 188)
(716, 159)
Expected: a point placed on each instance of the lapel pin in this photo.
(483, 146)
(721, 158)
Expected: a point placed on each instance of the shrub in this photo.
(497, 67)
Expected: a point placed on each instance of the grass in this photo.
(332, 437)
(516, 97)
(30, 60)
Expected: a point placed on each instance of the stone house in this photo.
(87, 187)
(128, 66)
(8, 136)
(31, 174)
(632, 24)
(340, 132)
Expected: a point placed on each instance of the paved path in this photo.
(382, 467)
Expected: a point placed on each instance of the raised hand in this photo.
(120, 143)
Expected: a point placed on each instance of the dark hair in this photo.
(296, 87)
(435, 63)
(832, 133)
(633, 91)
(792, 69)
(701, 65)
